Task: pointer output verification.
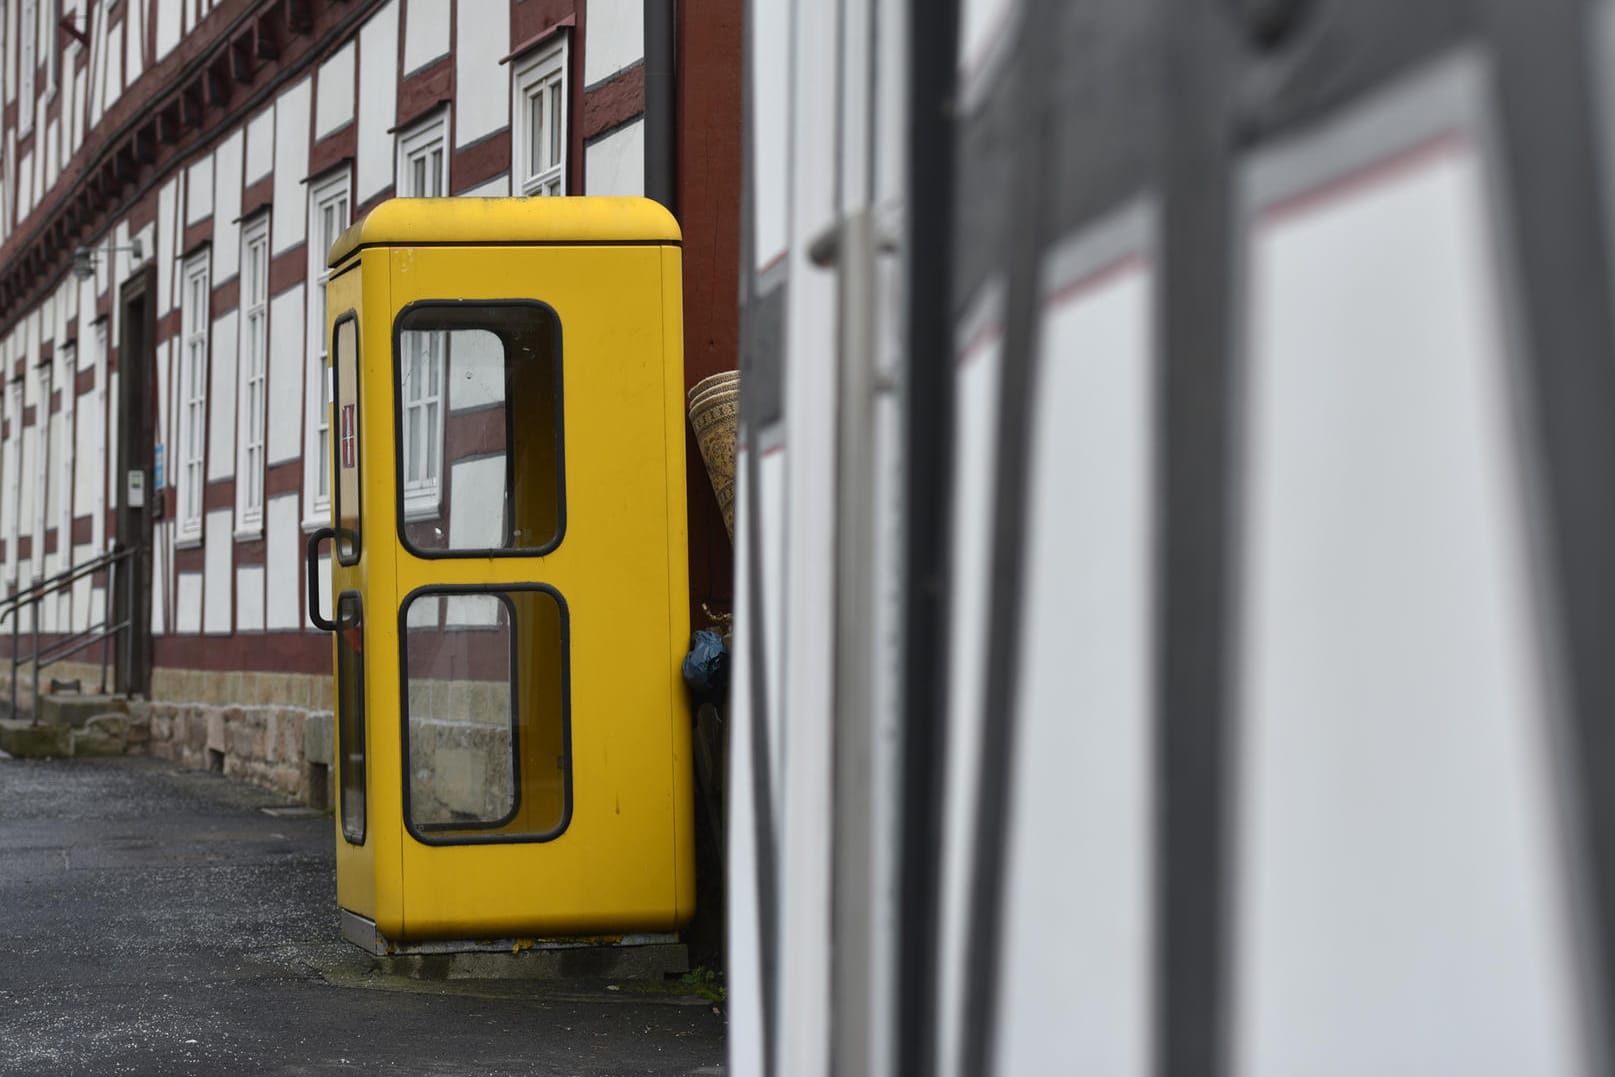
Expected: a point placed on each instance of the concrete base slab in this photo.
(637, 956)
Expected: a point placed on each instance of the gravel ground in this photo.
(157, 921)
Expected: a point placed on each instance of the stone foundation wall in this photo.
(275, 730)
(279, 748)
(271, 729)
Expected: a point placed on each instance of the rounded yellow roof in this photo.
(418, 222)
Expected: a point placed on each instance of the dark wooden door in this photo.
(136, 368)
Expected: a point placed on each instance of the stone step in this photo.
(73, 710)
(23, 739)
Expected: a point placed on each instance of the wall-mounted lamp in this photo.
(84, 258)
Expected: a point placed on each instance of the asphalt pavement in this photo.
(159, 921)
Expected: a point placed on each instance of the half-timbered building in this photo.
(172, 175)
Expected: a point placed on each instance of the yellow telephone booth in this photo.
(508, 586)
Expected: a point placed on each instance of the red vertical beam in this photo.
(708, 70)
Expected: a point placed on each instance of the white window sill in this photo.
(188, 541)
(422, 506)
(249, 534)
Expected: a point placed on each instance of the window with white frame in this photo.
(328, 216)
(254, 359)
(423, 161)
(420, 406)
(538, 148)
(41, 464)
(27, 40)
(51, 48)
(190, 457)
(13, 471)
(98, 434)
(422, 173)
(67, 356)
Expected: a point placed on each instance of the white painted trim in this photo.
(27, 39)
(253, 384)
(417, 145)
(333, 194)
(190, 424)
(532, 85)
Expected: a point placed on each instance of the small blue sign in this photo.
(157, 469)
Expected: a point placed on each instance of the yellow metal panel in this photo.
(507, 221)
(625, 860)
(678, 573)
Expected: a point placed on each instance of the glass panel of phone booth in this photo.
(345, 365)
(350, 724)
(485, 715)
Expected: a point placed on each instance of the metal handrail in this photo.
(101, 632)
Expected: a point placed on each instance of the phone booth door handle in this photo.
(312, 570)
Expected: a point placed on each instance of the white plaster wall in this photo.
(1401, 904)
(476, 491)
(324, 572)
(87, 462)
(167, 197)
(218, 565)
(286, 339)
(333, 106)
(426, 32)
(283, 610)
(148, 244)
(112, 87)
(133, 54)
(25, 184)
(188, 605)
(161, 566)
(976, 384)
(615, 40)
(199, 191)
(11, 13)
(498, 187)
(81, 89)
(250, 598)
(615, 165)
(476, 369)
(114, 478)
(482, 90)
(289, 224)
(1077, 1000)
(168, 27)
(260, 146)
(378, 102)
(48, 610)
(769, 32)
(52, 135)
(82, 596)
(227, 161)
(221, 437)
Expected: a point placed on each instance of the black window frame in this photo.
(349, 315)
(426, 836)
(463, 306)
(343, 623)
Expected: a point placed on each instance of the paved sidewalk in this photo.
(156, 921)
